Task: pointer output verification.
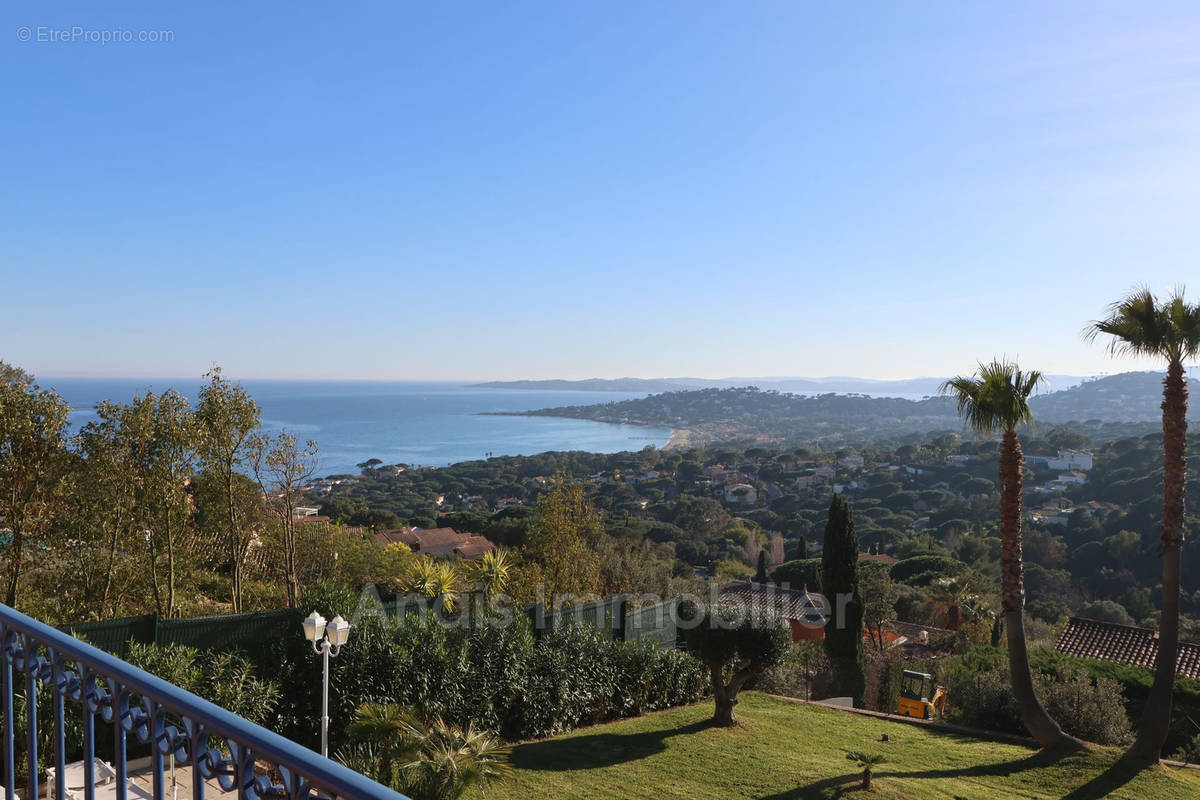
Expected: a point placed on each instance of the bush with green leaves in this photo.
(1090, 708)
(227, 679)
(493, 675)
(1190, 752)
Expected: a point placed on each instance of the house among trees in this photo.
(805, 615)
(1122, 644)
(437, 542)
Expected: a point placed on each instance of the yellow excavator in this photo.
(920, 696)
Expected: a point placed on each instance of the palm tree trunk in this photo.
(1156, 718)
(1039, 724)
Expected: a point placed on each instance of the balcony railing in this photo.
(239, 757)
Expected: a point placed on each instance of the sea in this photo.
(419, 424)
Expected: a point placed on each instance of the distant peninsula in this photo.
(592, 385)
(751, 414)
(909, 387)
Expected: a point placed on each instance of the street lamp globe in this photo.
(314, 627)
(338, 631)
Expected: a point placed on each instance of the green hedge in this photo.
(495, 675)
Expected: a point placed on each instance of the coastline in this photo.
(681, 439)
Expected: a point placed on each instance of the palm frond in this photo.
(1136, 323)
(996, 397)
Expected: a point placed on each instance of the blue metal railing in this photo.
(215, 743)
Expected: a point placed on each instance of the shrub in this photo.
(227, 679)
(1090, 708)
(1087, 707)
(493, 676)
(1190, 752)
(1106, 611)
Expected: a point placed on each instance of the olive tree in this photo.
(736, 644)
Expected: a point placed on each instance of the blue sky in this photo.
(564, 189)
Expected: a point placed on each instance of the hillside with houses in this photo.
(749, 415)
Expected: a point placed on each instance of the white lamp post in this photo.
(326, 639)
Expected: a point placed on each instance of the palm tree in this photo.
(427, 761)
(953, 600)
(867, 762)
(490, 572)
(995, 398)
(431, 579)
(1142, 326)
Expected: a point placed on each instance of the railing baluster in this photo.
(10, 738)
(119, 700)
(58, 669)
(87, 687)
(199, 753)
(29, 646)
(103, 686)
(155, 723)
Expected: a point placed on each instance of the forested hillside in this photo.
(750, 414)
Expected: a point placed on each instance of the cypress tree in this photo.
(840, 579)
(760, 576)
(801, 550)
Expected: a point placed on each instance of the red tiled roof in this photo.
(789, 603)
(396, 536)
(437, 541)
(474, 547)
(1123, 644)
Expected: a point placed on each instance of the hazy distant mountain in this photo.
(593, 385)
(839, 385)
(1127, 397)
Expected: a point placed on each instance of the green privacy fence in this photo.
(601, 614)
(244, 631)
(656, 623)
(225, 632)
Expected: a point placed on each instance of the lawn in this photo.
(784, 750)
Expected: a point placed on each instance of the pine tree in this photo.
(840, 583)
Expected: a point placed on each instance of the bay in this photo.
(415, 423)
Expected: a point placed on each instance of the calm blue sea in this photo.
(430, 424)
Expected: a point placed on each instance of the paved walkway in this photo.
(176, 787)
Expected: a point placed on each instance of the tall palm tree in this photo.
(995, 398)
(1140, 325)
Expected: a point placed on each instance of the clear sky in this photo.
(565, 189)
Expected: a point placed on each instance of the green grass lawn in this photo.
(784, 749)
